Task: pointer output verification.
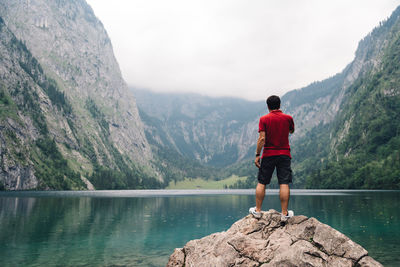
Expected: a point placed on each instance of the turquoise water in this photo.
(142, 228)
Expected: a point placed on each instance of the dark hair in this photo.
(273, 102)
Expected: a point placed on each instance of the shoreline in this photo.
(179, 192)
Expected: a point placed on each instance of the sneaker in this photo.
(255, 213)
(289, 214)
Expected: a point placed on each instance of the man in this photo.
(274, 129)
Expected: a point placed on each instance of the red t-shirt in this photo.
(276, 126)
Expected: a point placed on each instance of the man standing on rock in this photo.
(274, 129)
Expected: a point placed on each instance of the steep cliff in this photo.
(101, 130)
(29, 156)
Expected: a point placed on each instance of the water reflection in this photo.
(134, 231)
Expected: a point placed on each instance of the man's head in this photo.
(273, 102)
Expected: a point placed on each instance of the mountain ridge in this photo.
(102, 132)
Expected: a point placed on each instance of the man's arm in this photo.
(260, 144)
(291, 126)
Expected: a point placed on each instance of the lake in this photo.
(142, 228)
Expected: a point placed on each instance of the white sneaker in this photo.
(290, 213)
(255, 213)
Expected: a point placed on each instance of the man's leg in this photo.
(260, 193)
(284, 173)
(284, 195)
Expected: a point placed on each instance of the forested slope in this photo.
(360, 148)
(68, 120)
(365, 144)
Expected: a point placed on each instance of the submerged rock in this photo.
(269, 241)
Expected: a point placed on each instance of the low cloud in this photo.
(247, 49)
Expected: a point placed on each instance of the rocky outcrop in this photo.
(269, 241)
(59, 53)
(73, 47)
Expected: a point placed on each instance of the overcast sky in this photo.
(241, 48)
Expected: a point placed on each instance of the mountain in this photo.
(361, 147)
(68, 119)
(198, 136)
(214, 131)
(347, 129)
(347, 125)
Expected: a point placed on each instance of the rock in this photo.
(269, 241)
(177, 258)
(65, 68)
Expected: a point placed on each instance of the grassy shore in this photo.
(199, 183)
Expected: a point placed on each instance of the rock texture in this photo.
(215, 131)
(269, 241)
(73, 46)
(69, 45)
(17, 130)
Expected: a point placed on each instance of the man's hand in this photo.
(257, 161)
(260, 144)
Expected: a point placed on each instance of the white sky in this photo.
(242, 48)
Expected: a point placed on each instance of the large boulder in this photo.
(271, 241)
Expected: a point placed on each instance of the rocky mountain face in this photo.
(270, 241)
(27, 95)
(59, 53)
(214, 131)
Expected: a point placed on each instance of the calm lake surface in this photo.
(142, 228)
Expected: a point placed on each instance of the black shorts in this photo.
(283, 169)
